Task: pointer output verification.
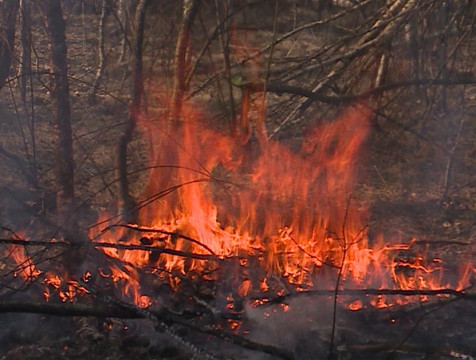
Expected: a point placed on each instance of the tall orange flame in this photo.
(291, 211)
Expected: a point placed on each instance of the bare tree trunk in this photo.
(25, 76)
(101, 54)
(444, 18)
(169, 154)
(124, 16)
(224, 43)
(25, 52)
(180, 62)
(61, 115)
(129, 213)
(413, 40)
(7, 37)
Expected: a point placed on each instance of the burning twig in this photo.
(323, 262)
(345, 247)
(158, 250)
(159, 231)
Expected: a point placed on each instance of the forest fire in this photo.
(237, 179)
(223, 212)
(279, 213)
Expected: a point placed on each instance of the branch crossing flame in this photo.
(290, 213)
(214, 208)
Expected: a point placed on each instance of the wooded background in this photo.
(76, 75)
(78, 79)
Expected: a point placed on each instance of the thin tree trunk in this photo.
(180, 66)
(101, 54)
(224, 43)
(25, 76)
(444, 18)
(414, 51)
(25, 52)
(124, 18)
(129, 213)
(168, 154)
(7, 37)
(61, 114)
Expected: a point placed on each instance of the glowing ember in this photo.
(355, 305)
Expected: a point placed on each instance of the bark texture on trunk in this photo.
(129, 212)
(7, 37)
(61, 113)
(25, 52)
(101, 53)
(180, 62)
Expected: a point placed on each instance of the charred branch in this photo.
(153, 249)
(365, 292)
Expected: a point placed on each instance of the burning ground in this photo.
(268, 249)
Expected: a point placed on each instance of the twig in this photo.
(345, 247)
(170, 233)
(449, 163)
(413, 329)
(34, 243)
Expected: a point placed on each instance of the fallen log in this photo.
(266, 301)
(114, 311)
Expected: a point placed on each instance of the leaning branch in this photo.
(281, 88)
(153, 249)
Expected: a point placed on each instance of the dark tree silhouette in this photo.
(61, 115)
(7, 37)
